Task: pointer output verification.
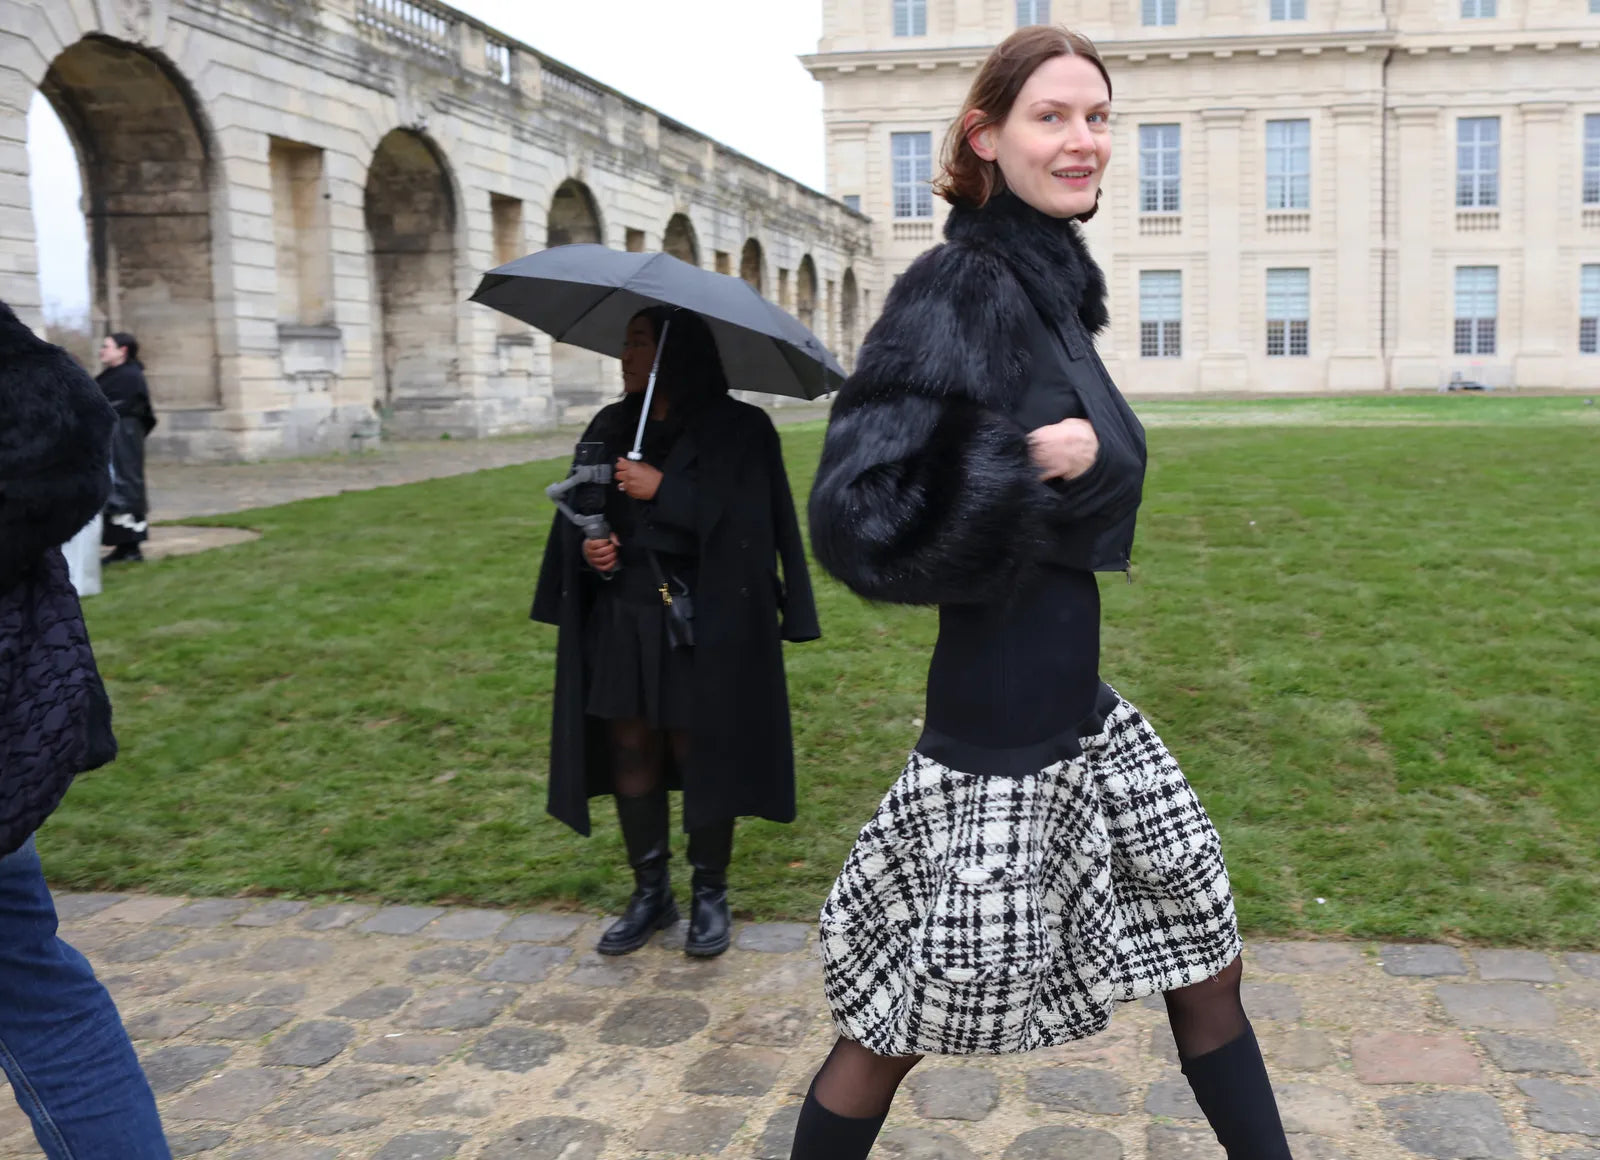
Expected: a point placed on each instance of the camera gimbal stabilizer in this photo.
(593, 474)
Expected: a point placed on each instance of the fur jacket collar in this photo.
(1048, 256)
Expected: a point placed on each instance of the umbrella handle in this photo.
(637, 453)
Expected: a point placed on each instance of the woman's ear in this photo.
(980, 139)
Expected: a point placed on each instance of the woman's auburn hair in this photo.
(967, 179)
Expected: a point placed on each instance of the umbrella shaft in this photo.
(649, 394)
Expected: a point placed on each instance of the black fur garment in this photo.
(55, 447)
(926, 493)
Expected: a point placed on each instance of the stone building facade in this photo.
(1305, 195)
(289, 202)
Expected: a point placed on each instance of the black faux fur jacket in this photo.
(926, 493)
(55, 448)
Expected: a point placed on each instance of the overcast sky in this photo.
(726, 67)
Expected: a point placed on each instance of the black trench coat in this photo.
(741, 761)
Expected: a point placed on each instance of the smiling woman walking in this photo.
(1041, 858)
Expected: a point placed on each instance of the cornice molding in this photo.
(1136, 51)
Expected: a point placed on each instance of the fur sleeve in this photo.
(925, 493)
(55, 447)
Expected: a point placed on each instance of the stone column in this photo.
(1546, 291)
(1357, 359)
(1418, 341)
(19, 260)
(1223, 366)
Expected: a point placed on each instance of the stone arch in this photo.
(411, 228)
(581, 380)
(849, 314)
(574, 216)
(806, 293)
(680, 240)
(145, 156)
(752, 266)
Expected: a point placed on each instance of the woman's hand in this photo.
(602, 554)
(1064, 450)
(637, 479)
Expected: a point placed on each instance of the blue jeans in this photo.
(62, 1044)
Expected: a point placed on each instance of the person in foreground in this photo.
(1041, 858)
(62, 1044)
(639, 708)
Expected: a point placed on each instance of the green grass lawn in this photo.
(1372, 646)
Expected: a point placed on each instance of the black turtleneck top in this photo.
(1013, 685)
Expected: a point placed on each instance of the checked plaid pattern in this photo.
(990, 915)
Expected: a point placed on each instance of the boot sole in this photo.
(670, 918)
(708, 950)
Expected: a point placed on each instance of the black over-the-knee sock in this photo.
(1231, 1086)
(824, 1135)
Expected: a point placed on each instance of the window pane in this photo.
(1589, 292)
(853, 201)
(1159, 12)
(911, 169)
(1289, 164)
(1033, 12)
(1478, 162)
(1160, 295)
(1589, 336)
(1289, 295)
(1299, 339)
(1160, 157)
(910, 17)
(1591, 158)
(1275, 339)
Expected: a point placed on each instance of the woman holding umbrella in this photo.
(669, 670)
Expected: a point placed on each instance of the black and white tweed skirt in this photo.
(982, 915)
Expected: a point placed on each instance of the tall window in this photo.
(1032, 12)
(1160, 314)
(1160, 182)
(1288, 313)
(1478, 162)
(1477, 304)
(912, 155)
(1288, 164)
(1159, 12)
(1591, 159)
(1589, 310)
(1288, 9)
(911, 17)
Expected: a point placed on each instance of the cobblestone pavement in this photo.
(181, 491)
(276, 1031)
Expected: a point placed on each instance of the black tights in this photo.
(639, 752)
(857, 1083)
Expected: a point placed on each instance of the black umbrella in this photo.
(585, 295)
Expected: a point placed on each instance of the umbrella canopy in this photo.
(585, 294)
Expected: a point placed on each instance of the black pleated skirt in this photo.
(634, 672)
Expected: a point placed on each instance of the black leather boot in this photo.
(710, 921)
(645, 832)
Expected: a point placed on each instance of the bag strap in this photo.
(662, 586)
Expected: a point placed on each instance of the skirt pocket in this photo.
(978, 962)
